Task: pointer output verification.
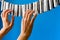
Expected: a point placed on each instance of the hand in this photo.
(27, 25)
(7, 25)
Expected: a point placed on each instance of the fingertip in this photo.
(10, 10)
(12, 20)
(27, 10)
(31, 12)
(7, 11)
(13, 17)
(34, 16)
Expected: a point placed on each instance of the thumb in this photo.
(12, 21)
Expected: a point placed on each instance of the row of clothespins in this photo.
(39, 7)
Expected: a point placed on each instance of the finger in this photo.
(3, 13)
(6, 14)
(23, 24)
(25, 18)
(30, 15)
(33, 18)
(31, 23)
(12, 22)
(26, 13)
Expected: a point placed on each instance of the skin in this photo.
(7, 25)
(27, 25)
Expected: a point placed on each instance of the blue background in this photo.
(46, 25)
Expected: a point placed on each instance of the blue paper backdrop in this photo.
(46, 25)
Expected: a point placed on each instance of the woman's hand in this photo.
(7, 25)
(27, 25)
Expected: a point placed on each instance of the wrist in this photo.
(22, 37)
(2, 33)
